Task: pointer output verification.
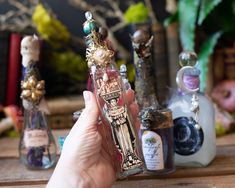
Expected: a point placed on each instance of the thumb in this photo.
(90, 114)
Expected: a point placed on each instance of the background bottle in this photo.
(37, 148)
(193, 116)
(156, 122)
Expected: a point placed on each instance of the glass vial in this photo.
(110, 94)
(193, 117)
(37, 148)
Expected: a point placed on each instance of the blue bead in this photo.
(88, 27)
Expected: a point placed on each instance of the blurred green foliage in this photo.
(136, 13)
(62, 60)
(190, 15)
(50, 28)
(130, 70)
(69, 63)
(220, 130)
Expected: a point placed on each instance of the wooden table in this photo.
(221, 173)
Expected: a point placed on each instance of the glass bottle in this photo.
(37, 148)
(193, 117)
(110, 94)
(156, 122)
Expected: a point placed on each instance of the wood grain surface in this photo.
(220, 173)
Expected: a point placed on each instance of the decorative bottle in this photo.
(193, 117)
(110, 94)
(37, 148)
(156, 122)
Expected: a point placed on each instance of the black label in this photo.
(188, 137)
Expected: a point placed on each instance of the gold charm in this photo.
(32, 89)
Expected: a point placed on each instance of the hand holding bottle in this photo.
(85, 161)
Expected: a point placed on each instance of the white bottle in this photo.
(193, 116)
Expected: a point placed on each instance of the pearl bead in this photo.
(105, 77)
(187, 58)
(197, 126)
(88, 15)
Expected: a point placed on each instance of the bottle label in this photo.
(152, 150)
(188, 136)
(36, 138)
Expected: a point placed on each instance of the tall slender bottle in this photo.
(156, 122)
(37, 147)
(110, 93)
(193, 115)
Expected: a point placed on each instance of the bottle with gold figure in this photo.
(193, 117)
(37, 147)
(156, 122)
(110, 93)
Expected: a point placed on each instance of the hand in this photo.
(85, 162)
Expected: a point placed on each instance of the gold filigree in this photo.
(99, 55)
(32, 89)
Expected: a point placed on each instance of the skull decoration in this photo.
(29, 50)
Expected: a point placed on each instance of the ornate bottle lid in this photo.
(155, 119)
(29, 49)
(142, 42)
(90, 24)
(97, 52)
(33, 89)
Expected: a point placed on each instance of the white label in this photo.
(36, 138)
(152, 150)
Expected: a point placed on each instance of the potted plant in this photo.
(202, 24)
(190, 16)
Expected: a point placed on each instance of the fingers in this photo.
(89, 116)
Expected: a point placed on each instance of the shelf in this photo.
(220, 173)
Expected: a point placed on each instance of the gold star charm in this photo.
(32, 89)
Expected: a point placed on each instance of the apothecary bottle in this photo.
(111, 97)
(156, 122)
(37, 148)
(193, 117)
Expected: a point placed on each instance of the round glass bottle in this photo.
(193, 117)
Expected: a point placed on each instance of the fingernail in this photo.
(86, 96)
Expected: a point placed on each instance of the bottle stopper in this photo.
(187, 58)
